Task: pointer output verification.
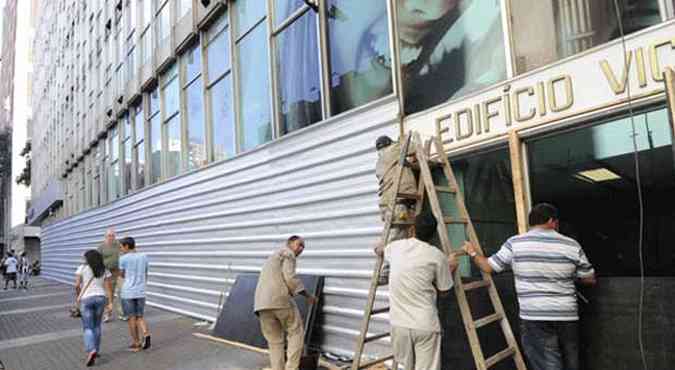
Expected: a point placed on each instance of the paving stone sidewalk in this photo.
(37, 334)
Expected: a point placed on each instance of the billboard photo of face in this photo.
(448, 48)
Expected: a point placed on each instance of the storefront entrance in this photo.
(590, 174)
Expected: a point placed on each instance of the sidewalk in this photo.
(36, 333)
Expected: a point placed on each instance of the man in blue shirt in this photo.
(134, 270)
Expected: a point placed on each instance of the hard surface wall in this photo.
(202, 229)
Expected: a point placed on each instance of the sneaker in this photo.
(146, 342)
(106, 317)
(91, 359)
(123, 318)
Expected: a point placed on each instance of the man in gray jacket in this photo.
(274, 305)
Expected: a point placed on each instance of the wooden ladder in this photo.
(421, 152)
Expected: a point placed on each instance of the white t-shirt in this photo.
(10, 262)
(96, 288)
(417, 271)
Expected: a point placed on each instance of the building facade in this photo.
(212, 130)
(7, 38)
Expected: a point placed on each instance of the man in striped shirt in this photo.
(546, 265)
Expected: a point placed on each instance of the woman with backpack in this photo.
(93, 286)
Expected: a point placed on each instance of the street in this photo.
(36, 333)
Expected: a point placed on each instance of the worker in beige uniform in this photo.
(388, 158)
(419, 273)
(110, 250)
(276, 309)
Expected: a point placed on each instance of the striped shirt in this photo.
(545, 265)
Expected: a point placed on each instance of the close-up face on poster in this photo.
(448, 48)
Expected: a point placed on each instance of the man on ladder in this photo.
(417, 271)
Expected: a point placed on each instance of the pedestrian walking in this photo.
(110, 250)
(24, 271)
(276, 309)
(10, 270)
(134, 270)
(546, 265)
(419, 273)
(94, 294)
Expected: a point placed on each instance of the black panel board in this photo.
(238, 323)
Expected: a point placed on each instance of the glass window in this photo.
(193, 63)
(147, 12)
(589, 174)
(155, 125)
(146, 40)
(447, 50)
(184, 6)
(139, 153)
(171, 97)
(485, 182)
(284, 8)
(299, 77)
(164, 23)
(256, 126)
(195, 118)
(565, 28)
(218, 55)
(173, 152)
(114, 170)
(358, 37)
(249, 13)
(127, 144)
(222, 112)
(155, 149)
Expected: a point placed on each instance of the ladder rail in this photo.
(473, 238)
(467, 319)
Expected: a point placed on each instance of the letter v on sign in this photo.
(617, 86)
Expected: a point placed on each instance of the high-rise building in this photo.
(8, 10)
(212, 130)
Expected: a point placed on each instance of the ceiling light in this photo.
(597, 175)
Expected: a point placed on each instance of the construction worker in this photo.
(388, 157)
(389, 154)
(110, 249)
(276, 309)
(419, 273)
(546, 265)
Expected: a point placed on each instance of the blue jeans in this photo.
(551, 345)
(92, 315)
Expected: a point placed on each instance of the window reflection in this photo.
(299, 76)
(173, 152)
(222, 111)
(254, 88)
(284, 8)
(567, 27)
(449, 49)
(358, 37)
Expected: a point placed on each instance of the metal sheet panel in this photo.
(202, 229)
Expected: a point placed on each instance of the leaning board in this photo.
(238, 323)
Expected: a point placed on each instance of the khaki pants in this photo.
(280, 323)
(416, 349)
(403, 213)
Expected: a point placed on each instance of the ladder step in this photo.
(410, 222)
(376, 361)
(379, 310)
(492, 361)
(476, 284)
(413, 196)
(453, 220)
(376, 337)
(487, 320)
(446, 189)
